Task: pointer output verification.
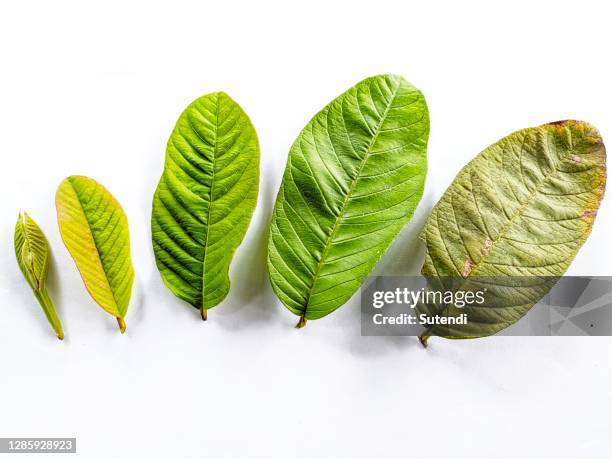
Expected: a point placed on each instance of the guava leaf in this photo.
(205, 199)
(353, 179)
(32, 252)
(521, 209)
(94, 229)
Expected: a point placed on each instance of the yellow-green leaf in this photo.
(95, 231)
(32, 252)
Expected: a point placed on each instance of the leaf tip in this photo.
(21, 218)
(561, 122)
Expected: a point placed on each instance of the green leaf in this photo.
(94, 228)
(205, 199)
(353, 179)
(32, 252)
(523, 208)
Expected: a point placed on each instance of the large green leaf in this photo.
(205, 199)
(32, 252)
(94, 228)
(353, 179)
(522, 208)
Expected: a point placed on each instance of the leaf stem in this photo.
(47, 306)
(301, 323)
(122, 324)
(423, 340)
(204, 313)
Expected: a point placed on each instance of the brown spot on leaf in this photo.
(589, 214)
(487, 245)
(467, 267)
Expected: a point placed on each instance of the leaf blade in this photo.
(353, 179)
(94, 229)
(205, 199)
(523, 207)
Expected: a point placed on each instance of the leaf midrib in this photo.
(31, 254)
(210, 206)
(28, 262)
(348, 195)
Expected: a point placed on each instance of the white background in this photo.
(95, 89)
